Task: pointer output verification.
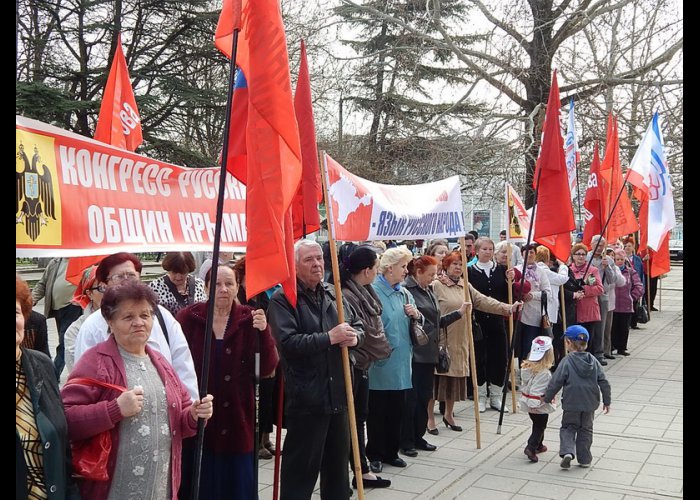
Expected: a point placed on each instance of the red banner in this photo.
(76, 196)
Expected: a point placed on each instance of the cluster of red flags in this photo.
(277, 160)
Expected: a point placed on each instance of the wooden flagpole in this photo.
(510, 329)
(470, 338)
(341, 318)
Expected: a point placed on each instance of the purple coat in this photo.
(629, 292)
(91, 410)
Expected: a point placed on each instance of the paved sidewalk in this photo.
(637, 447)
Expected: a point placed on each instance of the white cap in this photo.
(540, 345)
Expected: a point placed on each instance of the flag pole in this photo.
(341, 319)
(510, 326)
(649, 282)
(605, 226)
(204, 377)
(511, 345)
(278, 437)
(470, 339)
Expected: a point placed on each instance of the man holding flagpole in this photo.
(309, 339)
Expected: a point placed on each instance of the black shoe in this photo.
(603, 362)
(376, 466)
(380, 482)
(608, 356)
(654, 308)
(409, 452)
(434, 432)
(451, 426)
(426, 446)
(396, 462)
(622, 353)
(635, 327)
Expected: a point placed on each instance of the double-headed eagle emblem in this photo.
(35, 201)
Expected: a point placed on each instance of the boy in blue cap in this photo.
(583, 379)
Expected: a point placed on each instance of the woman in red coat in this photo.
(227, 457)
(587, 307)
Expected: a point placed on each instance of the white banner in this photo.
(362, 210)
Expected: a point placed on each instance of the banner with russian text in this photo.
(365, 210)
(76, 196)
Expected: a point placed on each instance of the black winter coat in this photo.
(427, 304)
(51, 423)
(313, 368)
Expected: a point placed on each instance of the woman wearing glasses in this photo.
(587, 307)
(167, 337)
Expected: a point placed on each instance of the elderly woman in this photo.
(178, 288)
(638, 266)
(389, 379)
(419, 412)
(625, 295)
(227, 458)
(449, 290)
(591, 286)
(491, 353)
(88, 295)
(358, 270)
(438, 248)
(42, 459)
(536, 303)
(147, 421)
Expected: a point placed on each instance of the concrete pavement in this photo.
(637, 447)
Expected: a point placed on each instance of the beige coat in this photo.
(450, 297)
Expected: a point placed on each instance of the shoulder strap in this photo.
(191, 285)
(96, 383)
(161, 320)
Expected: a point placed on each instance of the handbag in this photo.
(89, 456)
(477, 331)
(642, 313)
(546, 323)
(443, 362)
(418, 335)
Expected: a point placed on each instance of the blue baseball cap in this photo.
(576, 332)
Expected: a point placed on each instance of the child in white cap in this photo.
(583, 379)
(536, 376)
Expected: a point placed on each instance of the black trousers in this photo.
(360, 392)
(491, 353)
(620, 330)
(386, 410)
(558, 342)
(267, 404)
(415, 415)
(653, 285)
(64, 317)
(316, 444)
(539, 425)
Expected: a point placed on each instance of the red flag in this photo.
(661, 260)
(237, 163)
(229, 21)
(119, 123)
(593, 204)
(305, 205)
(76, 266)
(272, 142)
(554, 216)
(622, 220)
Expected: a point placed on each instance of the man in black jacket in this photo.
(309, 339)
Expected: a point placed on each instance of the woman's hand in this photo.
(203, 408)
(579, 295)
(510, 274)
(411, 311)
(131, 402)
(528, 297)
(463, 308)
(259, 320)
(516, 306)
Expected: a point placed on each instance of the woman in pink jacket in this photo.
(148, 421)
(625, 296)
(587, 307)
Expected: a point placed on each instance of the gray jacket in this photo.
(583, 379)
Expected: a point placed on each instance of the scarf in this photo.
(367, 296)
(395, 287)
(485, 267)
(531, 276)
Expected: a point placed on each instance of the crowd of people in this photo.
(135, 352)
